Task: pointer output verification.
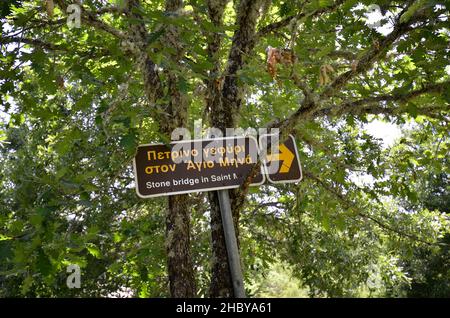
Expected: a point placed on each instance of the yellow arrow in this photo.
(284, 155)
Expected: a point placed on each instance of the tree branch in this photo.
(33, 42)
(275, 26)
(372, 104)
(137, 44)
(90, 18)
(243, 42)
(350, 205)
(111, 9)
(36, 43)
(427, 89)
(309, 106)
(223, 114)
(372, 55)
(215, 14)
(34, 24)
(347, 55)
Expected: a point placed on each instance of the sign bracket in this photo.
(231, 244)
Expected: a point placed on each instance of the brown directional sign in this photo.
(282, 165)
(195, 165)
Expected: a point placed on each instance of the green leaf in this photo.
(36, 220)
(43, 263)
(129, 142)
(326, 222)
(412, 109)
(412, 10)
(117, 237)
(84, 102)
(26, 285)
(154, 36)
(93, 250)
(61, 172)
(183, 85)
(16, 228)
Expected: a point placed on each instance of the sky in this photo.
(386, 131)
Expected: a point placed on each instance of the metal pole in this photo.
(231, 244)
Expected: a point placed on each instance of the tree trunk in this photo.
(178, 230)
(221, 284)
(170, 116)
(224, 104)
(178, 246)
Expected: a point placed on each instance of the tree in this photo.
(429, 268)
(79, 101)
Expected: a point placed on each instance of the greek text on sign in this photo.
(195, 165)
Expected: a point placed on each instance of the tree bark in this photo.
(225, 100)
(180, 268)
(178, 231)
(221, 284)
(172, 115)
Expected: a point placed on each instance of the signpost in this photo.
(195, 165)
(214, 164)
(283, 165)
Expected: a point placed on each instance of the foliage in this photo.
(278, 282)
(366, 216)
(429, 268)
